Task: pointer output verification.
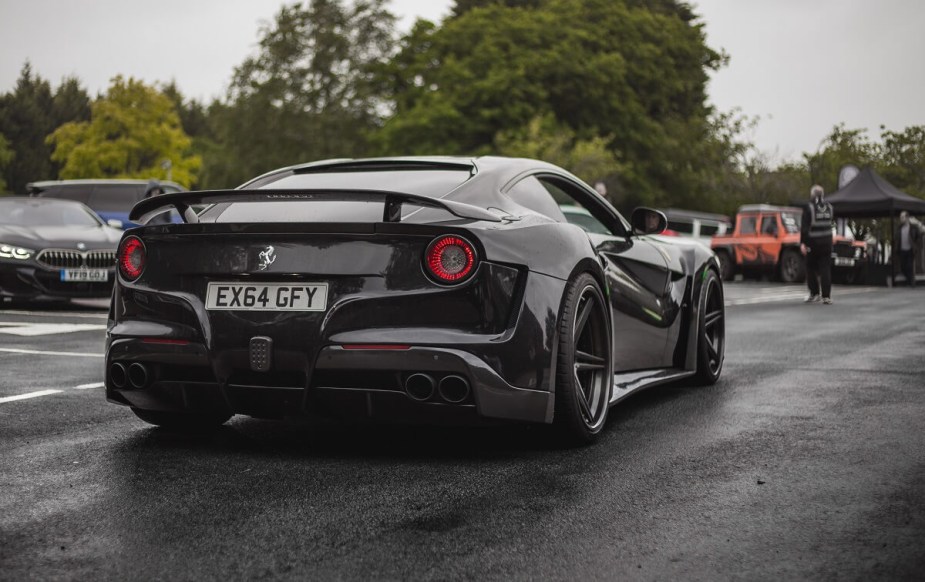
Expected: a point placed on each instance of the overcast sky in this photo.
(800, 65)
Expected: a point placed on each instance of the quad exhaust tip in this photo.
(118, 375)
(453, 389)
(420, 387)
(138, 375)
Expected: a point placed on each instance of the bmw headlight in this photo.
(15, 252)
(857, 253)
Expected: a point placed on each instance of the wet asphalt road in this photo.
(806, 461)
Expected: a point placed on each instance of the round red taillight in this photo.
(450, 259)
(131, 257)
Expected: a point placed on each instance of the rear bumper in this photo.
(353, 383)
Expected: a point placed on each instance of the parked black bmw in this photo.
(413, 288)
(54, 249)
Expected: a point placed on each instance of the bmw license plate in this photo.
(84, 275)
(844, 262)
(267, 296)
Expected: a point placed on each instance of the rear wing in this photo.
(392, 202)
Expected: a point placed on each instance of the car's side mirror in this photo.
(648, 221)
(115, 223)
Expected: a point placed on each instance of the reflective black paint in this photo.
(498, 329)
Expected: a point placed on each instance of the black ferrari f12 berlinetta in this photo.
(422, 289)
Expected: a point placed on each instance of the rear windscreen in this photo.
(431, 183)
(115, 197)
(318, 211)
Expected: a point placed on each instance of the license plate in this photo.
(84, 275)
(267, 296)
(844, 262)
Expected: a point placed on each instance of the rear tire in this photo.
(726, 268)
(584, 377)
(711, 331)
(181, 420)
(792, 268)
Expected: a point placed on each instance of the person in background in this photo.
(906, 241)
(816, 244)
(154, 188)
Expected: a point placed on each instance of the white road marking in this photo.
(45, 353)
(48, 392)
(793, 296)
(63, 314)
(34, 329)
(29, 395)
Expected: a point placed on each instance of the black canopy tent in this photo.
(870, 196)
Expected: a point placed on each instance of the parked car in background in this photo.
(766, 240)
(110, 199)
(54, 248)
(701, 226)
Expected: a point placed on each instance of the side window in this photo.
(707, 229)
(769, 225)
(531, 194)
(683, 227)
(791, 221)
(114, 197)
(747, 224)
(578, 210)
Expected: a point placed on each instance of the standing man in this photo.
(906, 240)
(816, 244)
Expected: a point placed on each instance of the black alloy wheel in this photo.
(711, 344)
(584, 369)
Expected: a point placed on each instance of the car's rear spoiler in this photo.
(184, 201)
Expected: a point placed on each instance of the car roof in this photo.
(45, 184)
(676, 213)
(768, 208)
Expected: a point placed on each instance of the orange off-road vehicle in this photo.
(766, 241)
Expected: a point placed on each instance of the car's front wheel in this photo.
(711, 329)
(584, 376)
(181, 420)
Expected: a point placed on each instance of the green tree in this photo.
(29, 113)
(544, 139)
(194, 117)
(132, 132)
(616, 70)
(903, 159)
(6, 156)
(842, 146)
(307, 94)
(460, 7)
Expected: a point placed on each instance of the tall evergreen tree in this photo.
(307, 93)
(27, 115)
